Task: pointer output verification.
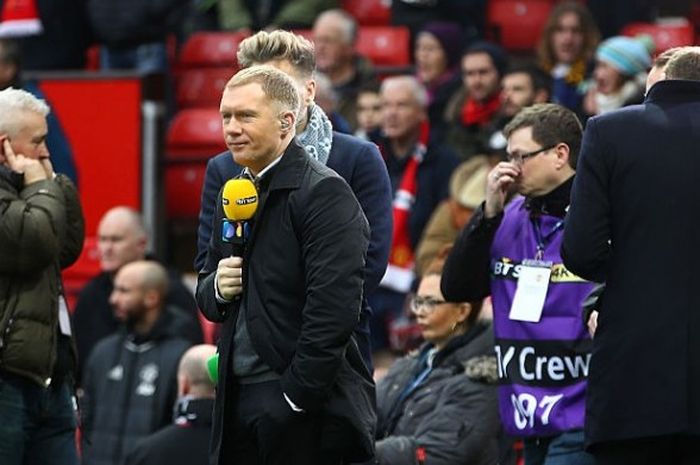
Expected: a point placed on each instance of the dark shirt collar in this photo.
(553, 203)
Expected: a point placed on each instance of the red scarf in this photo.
(399, 273)
(474, 112)
(19, 18)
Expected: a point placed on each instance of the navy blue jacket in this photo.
(360, 164)
(633, 224)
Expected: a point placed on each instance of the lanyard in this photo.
(543, 241)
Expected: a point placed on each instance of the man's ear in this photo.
(310, 88)
(287, 121)
(562, 150)
(152, 298)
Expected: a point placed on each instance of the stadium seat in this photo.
(517, 24)
(369, 12)
(385, 45)
(194, 136)
(83, 270)
(210, 49)
(669, 33)
(202, 88)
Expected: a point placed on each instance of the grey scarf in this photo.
(317, 138)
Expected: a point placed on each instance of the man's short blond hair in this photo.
(684, 64)
(264, 47)
(276, 85)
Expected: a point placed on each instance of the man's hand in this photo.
(33, 170)
(229, 277)
(499, 180)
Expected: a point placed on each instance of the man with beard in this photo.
(472, 109)
(130, 378)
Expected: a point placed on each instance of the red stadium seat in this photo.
(670, 33)
(202, 88)
(83, 270)
(194, 136)
(211, 49)
(369, 12)
(517, 24)
(385, 45)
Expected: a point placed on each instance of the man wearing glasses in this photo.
(512, 253)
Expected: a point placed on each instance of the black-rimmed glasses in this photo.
(519, 158)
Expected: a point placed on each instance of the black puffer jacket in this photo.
(452, 414)
(130, 388)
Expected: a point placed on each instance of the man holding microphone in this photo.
(292, 386)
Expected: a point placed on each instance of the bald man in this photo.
(122, 239)
(129, 382)
(186, 441)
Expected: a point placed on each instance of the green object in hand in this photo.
(213, 368)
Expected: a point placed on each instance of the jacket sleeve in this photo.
(372, 188)
(586, 245)
(460, 429)
(465, 277)
(334, 237)
(72, 242)
(205, 294)
(212, 184)
(31, 227)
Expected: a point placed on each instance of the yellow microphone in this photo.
(240, 201)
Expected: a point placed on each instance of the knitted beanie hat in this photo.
(496, 52)
(450, 37)
(628, 55)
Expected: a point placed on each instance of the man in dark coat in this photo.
(356, 161)
(186, 442)
(632, 225)
(292, 386)
(129, 385)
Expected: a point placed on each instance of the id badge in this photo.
(533, 282)
(63, 317)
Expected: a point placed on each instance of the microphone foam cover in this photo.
(240, 199)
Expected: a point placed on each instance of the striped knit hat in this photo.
(626, 54)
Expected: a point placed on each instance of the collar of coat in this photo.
(673, 90)
(289, 171)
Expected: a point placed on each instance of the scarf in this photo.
(317, 138)
(474, 112)
(19, 18)
(399, 272)
(607, 103)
